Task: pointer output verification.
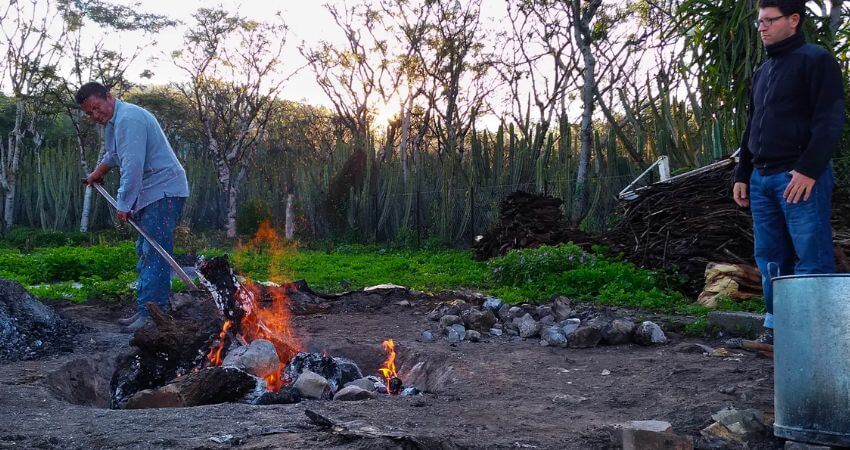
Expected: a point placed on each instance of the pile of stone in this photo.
(555, 324)
(30, 329)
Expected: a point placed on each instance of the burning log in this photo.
(205, 387)
(528, 220)
(391, 379)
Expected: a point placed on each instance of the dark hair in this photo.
(91, 88)
(787, 7)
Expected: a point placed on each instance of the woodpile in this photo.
(733, 281)
(525, 221)
(684, 224)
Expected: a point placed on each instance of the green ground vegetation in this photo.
(91, 267)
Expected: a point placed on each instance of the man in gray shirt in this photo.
(152, 190)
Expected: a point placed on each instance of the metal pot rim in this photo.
(821, 275)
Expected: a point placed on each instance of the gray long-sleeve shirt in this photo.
(149, 168)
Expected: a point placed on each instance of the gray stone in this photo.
(561, 308)
(493, 304)
(504, 314)
(649, 435)
(348, 371)
(547, 321)
(475, 319)
(353, 393)
(555, 337)
(452, 308)
(569, 399)
(410, 391)
(602, 321)
(473, 336)
(736, 323)
(584, 337)
(793, 445)
(449, 320)
(568, 326)
(312, 385)
(649, 333)
(515, 312)
(497, 326)
(527, 326)
(426, 336)
(619, 331)
(455, 333)
(257, 358)
(693, 347)
(543, 311)
(496, 331)
(363, 383)
(743, 422)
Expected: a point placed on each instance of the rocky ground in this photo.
(500, 392)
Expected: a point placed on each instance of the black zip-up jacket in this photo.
(796, 111)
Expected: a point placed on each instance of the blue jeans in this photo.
(158, 220)
(797, 238)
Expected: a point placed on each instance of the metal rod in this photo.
(171, 262)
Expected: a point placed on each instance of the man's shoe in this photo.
(128, 320)
(138, 324)
(766, 337)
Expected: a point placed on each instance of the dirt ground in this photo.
(498, 393)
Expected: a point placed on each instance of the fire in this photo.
(215, 352)
(388, 371)
(266, 308)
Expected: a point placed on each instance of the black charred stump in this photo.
(395, 387)
(337, 371)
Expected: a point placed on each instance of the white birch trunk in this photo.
(405, 133)
(289, 228)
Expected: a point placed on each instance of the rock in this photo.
(693, 347)
(619, 331)
(497, 326)
(515, 312)
(547, 321)
(584, 337)
(285, 396)
(792, 445)
(555, 337)
(568, 399)
(410, 391)
(561, 308)
(736, 323)
(601, 321)
(504, 314)
(449, 320)
(455, 333)
(649, 333)
(568, 326)
(746, 422)
(377, 383)
(348, 371)
(312, 385)
(453, 308)
(362, 383)
(426, 336)
(543, 311)
(527, 326)
(473, 336)
(353, 393)
(493, 304)
(495, 331)
(322, 365)
(649, 435)
(475, 319)
(257, 358)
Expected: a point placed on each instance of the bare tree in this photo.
(231, 63)
(29, 65)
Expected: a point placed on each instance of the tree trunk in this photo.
(289, 228)
(87, 203)
(405, 132)
(585, 136)
(9, 204)
(834, 17)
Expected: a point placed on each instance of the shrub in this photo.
(251, 215)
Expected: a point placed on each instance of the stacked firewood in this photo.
(528, 220)
(685, 224)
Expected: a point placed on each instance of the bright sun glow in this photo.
(385, 112)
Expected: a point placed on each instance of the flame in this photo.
(266, 308)
(215, 351)
(388, 371)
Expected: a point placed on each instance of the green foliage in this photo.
(50, 265)
(251, 215)
(28, 238)
(697, 328)
(87, 287)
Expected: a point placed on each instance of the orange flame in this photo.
(388, 371)
(215, 351)
(267, 313)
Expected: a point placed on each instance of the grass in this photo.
(101, 270)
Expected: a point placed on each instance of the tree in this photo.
(29, 65)
(97, 62)
(231, 63)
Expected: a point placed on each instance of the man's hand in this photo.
(124, 216)
(800, 187)
(739, 194)
(96, 176)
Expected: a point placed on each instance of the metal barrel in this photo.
(812, 358)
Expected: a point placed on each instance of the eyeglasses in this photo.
(768, 21)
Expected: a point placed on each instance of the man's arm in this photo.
(96, 176)
(131, 145)
(826, 100)
(745, 159)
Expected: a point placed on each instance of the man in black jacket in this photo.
(795, 121)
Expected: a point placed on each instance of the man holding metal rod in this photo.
(152, 191)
